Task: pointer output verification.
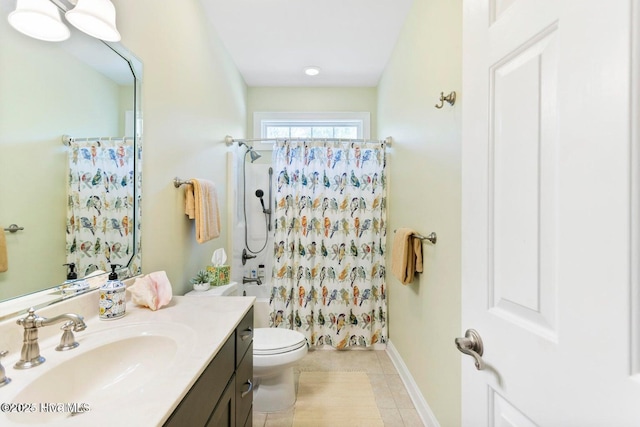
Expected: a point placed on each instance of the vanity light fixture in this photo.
(312, 71)
(96, 18)
(39, 19)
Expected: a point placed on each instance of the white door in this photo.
(549, 279)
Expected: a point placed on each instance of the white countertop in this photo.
(206, 324)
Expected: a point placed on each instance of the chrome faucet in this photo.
(4, 380)
(30, 354)
(257, 280)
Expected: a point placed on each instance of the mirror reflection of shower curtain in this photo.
(100, 204)
(329, 221)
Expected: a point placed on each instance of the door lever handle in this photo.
(471, 344)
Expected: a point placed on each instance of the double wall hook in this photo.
(13, 228)
(451, 99)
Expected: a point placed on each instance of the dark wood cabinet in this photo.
(244, 387)
(224, 415)
(223, 395)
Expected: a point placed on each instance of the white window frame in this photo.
(362, 120)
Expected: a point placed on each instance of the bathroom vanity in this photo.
(223, 395)
(189, 363)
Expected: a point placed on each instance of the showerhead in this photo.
(254, 155)
(259, 194)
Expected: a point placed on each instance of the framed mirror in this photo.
(88, 90)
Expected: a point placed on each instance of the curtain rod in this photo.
(229, 140)
(67, 139)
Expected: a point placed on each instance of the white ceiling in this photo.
(272, 41)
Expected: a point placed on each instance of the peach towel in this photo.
(4, 262)
(201, 204)
(406, 258)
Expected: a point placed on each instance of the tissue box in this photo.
(220, 274)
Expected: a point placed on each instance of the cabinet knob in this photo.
(248, 333)
(245, 392)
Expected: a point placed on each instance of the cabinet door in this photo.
(244, 387)
(196, 407)
(225, 413)
(249, 421)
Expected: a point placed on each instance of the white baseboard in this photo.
(421, 405)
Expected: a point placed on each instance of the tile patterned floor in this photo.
(394, 403)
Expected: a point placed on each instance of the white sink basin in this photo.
(109, 364)
(133, 371)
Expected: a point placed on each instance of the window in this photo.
(310, 130)
(311, 125)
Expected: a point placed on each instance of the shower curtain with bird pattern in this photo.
(100, 204)
(330, 213)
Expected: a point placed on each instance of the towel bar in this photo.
(177, 182)
(432, 237)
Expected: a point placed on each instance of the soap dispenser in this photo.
(72, 285)
(112, 297)
(71, 272)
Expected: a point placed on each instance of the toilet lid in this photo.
(276, 340)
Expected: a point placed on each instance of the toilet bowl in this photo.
(275, 352)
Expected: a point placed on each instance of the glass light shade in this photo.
(96, 18)
(39, 19)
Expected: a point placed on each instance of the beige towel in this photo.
(4, 262)
(406, 257)
(201, 204)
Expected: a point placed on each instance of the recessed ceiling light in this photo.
(312, 71)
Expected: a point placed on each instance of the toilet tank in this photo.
(216, 291)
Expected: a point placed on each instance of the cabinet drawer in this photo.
(244, 335)
(244, 386)
(197, 406)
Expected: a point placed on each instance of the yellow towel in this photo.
(201, 204)
(4, 262)
(406, 257)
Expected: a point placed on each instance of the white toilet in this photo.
(275, 352)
